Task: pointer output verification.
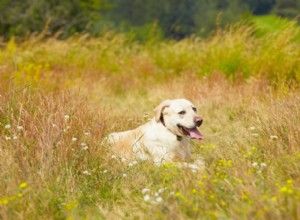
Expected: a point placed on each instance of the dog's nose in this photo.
(198, 121)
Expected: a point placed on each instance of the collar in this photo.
(179, 138)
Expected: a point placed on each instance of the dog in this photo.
(165, 138)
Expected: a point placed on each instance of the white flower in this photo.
(113, 156)
(255, 135)
(7, 138)
(159, 199)
(67, 128)
(145, 190)
(130, 164)
(15, 137)
(86, 133)
(124, 175)
(123, 159)
(254, 164)
(20, 127)
(259, 171)
(263, 164)
(66, 117)
(54, 125)
(194, 170)
(7, 126)
(273, 137)
(85, 148)
(74, 139)
(161, 190)
(146, 198)
(252, 128)
(156, 194)
(172, 193)
(104, 171)
(83, 144)
(85, 172)
(134, 162)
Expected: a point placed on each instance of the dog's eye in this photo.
(181, 113)
(195, 110)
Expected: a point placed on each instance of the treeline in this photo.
(144, 18)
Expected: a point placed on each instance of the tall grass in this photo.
(60, 98)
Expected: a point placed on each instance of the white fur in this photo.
(156, 142)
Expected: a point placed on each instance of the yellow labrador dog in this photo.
(165, 138)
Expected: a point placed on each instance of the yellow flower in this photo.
(23, 185)
(283, 189)
(4, 201)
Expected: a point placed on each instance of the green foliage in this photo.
(68, 17)
(287, 8)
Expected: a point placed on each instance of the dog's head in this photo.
(180, 117)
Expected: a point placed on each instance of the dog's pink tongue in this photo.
(194, 133)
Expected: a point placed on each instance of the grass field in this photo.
(58, 99)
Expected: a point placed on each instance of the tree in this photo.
(287, 8)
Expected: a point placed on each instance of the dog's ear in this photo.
(159, 109)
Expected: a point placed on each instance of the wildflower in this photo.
(15, 137)
(124, 175)
(86, 133)
(23, 185)
(177, 194)
(113, 156)
(161, 190)
(156, 194)
(254, 164)
(67, 128)
(130, 164)
(273, 137)
(20, 127)
(145, 190)
(83, 144)
(263, 164)
(7, 138)
(134, 162)
(255, 135)
(159, 199)
(7, 126)
(85, 172)
(194, 170)
(283, 189)
(252, 128)
(146, 198)
(123, 159)
(104, 171)
(66, 117)
(54, 125)
(85, 148)
(74, 139)
(172, 193)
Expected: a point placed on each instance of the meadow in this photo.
(58, 100)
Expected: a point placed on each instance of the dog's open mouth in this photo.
(191, 132)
